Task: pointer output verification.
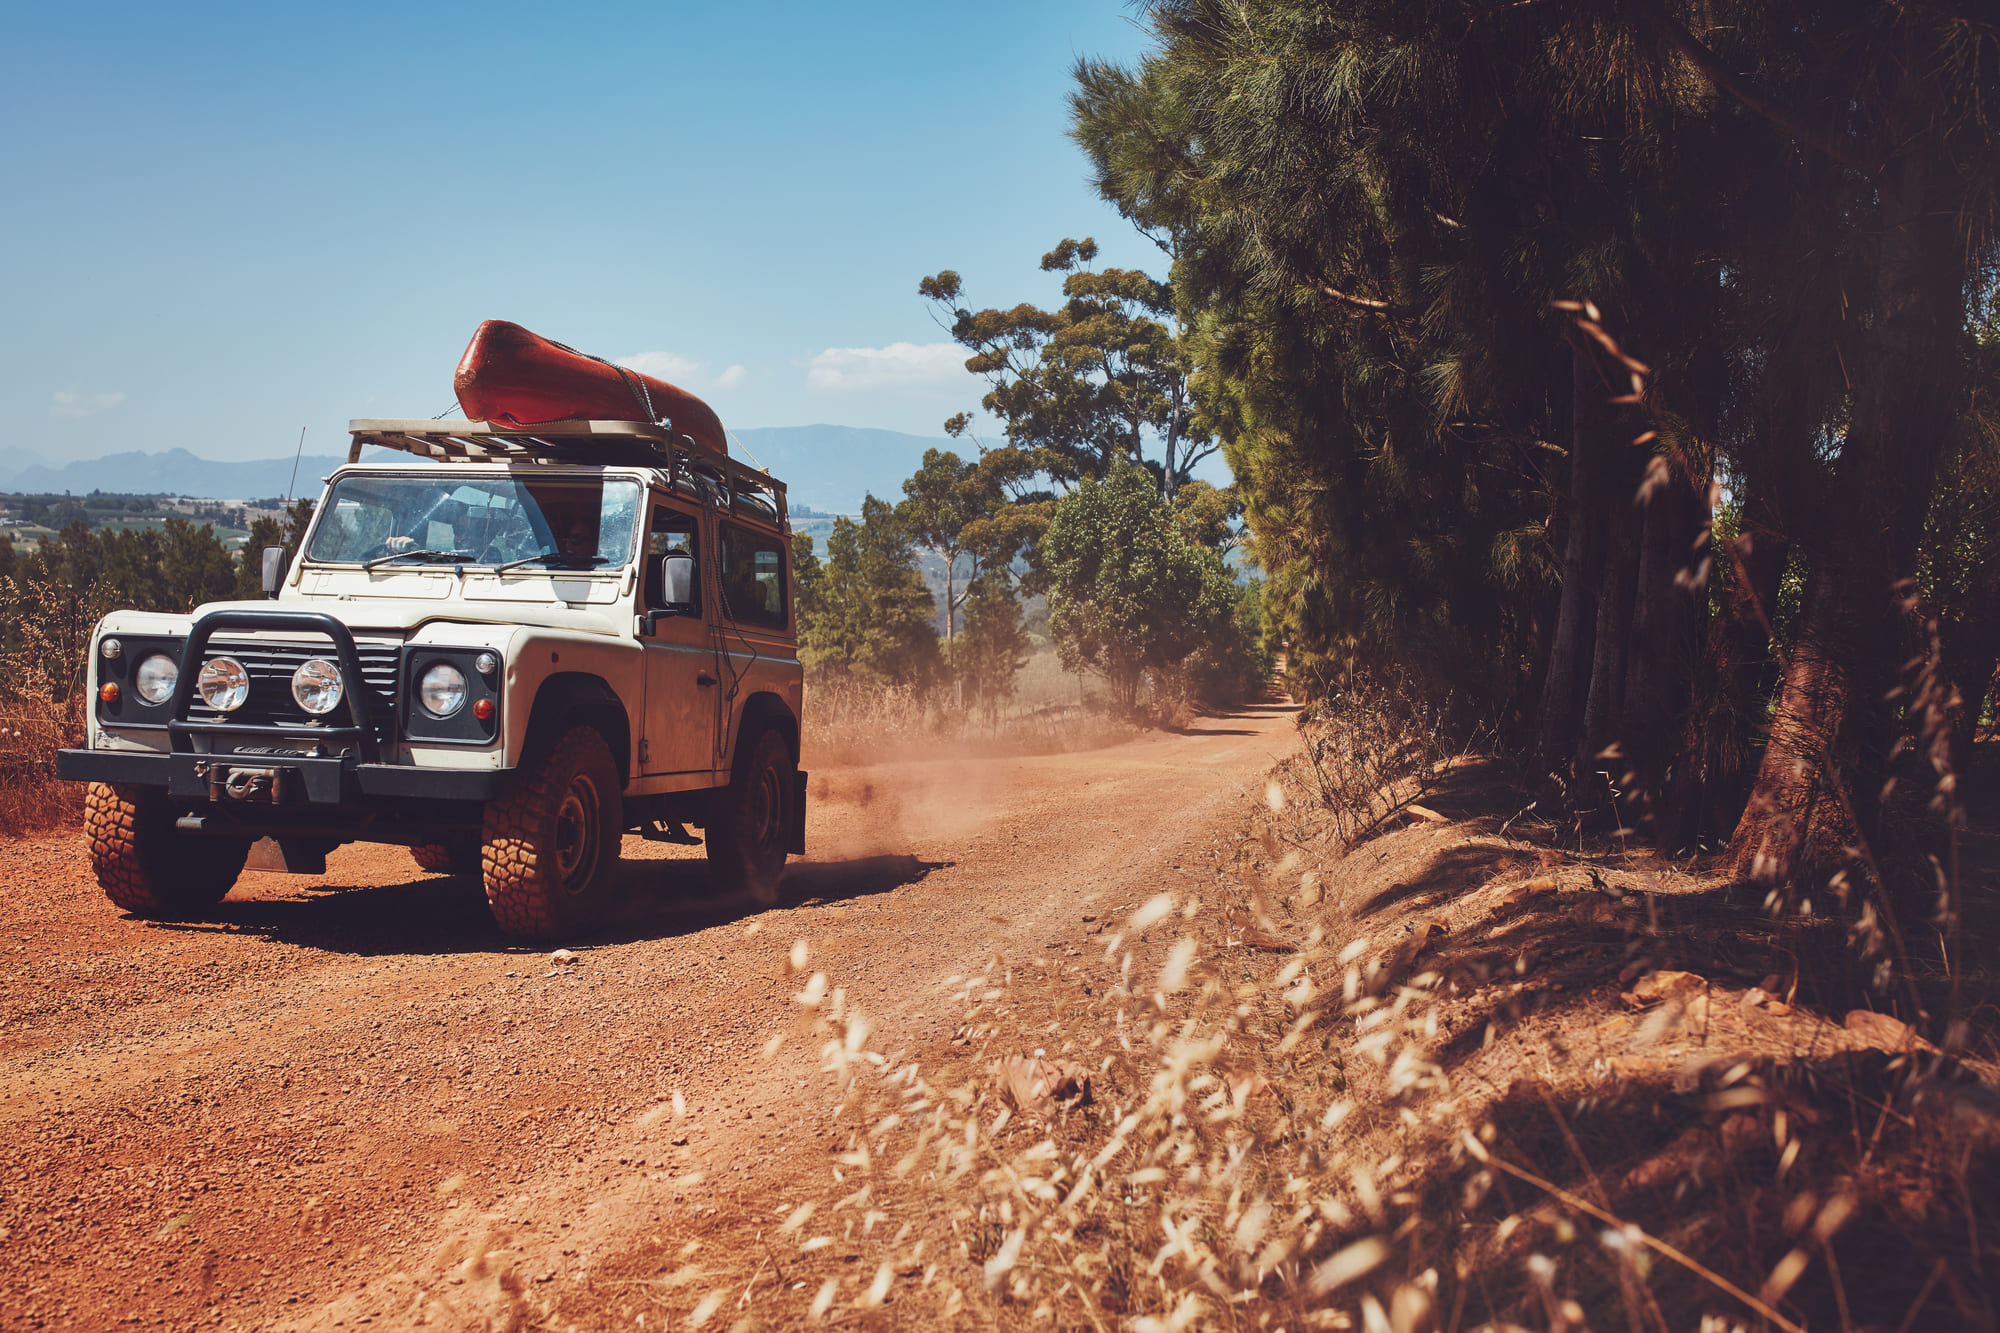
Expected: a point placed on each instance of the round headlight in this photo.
(109, 650)
(223, 684)
(442, 690)
(156, 677)
(316, 686)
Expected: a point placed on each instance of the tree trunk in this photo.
(1831, 728)
(1575, 612)
(1598, 774)
(1706, 786)
(1663, 641)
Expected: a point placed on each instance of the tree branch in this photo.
(1724, 81)
(1359, 302)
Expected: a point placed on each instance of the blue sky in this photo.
(222, 223)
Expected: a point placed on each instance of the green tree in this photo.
(1088, 383)
(993, 648)
(865, 611)
(1129, 593)
(1786, 211)
(958, 510)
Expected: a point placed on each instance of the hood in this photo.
(398, 616)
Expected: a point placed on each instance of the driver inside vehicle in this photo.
(575, 533)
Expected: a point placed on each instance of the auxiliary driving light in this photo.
(223, 684)
(109, 650)
(442, 690)
(316, 686)
(156, 677)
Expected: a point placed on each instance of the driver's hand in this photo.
(400, 543)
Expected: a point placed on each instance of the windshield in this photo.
(557, 522)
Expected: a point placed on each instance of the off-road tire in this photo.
(457, 856)
(548, 845)
(750, 822)
(147, 866)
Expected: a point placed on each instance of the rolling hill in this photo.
(828, 468)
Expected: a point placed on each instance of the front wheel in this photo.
(548, 845)
(146, 865)
(751, 821)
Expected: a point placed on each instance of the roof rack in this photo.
(605, 443)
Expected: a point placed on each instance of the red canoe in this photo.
(518, 378)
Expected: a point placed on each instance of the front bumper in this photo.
(294, 779)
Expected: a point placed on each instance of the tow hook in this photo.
(263, 785)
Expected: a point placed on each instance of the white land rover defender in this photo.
(503, 653)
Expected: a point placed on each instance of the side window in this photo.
(671, 531)
(753, 577)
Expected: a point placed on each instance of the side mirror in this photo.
(274, 569)
(677, 578)
(676, 590)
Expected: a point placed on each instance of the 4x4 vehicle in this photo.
(504, 652)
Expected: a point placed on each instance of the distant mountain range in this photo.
(827, 468)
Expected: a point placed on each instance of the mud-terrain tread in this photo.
(732, 862)
(459, 856)
(142, 866)
(520, 890)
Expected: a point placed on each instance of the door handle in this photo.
(704, 679)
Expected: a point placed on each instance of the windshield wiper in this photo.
(422, 553)
(561, 558)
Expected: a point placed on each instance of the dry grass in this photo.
(41, 700)
(1051, 712)
(1448, 1077)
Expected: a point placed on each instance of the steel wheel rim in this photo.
(577, 833)
(762, 810)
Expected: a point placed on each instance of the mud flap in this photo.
(287, 856)
(795, 836)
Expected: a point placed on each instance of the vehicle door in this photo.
(681, 669)
(755, 606)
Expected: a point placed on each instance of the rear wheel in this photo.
(455, 856)
(751, 820)
(146, 865)
(549, 845)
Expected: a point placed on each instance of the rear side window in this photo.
(753, 577)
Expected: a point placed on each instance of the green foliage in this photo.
(270, 532)
(1129, 592)
(1087, 384)
(865, 612)
(960, 510)
(993, 648)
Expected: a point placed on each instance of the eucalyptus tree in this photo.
(1089, 382)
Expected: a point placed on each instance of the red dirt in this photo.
(349, 1102)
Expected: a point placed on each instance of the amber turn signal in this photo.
(483, 710)
(108, 691)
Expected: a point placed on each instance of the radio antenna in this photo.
(296, 455)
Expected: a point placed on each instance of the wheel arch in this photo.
(764, 710)
(578, 698)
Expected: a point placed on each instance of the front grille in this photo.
(271, 664)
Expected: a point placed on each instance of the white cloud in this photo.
(686, 373)
(938, 367)
(76, 403)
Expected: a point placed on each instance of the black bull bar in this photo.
(320, 780)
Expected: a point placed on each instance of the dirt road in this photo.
(348, 1102)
